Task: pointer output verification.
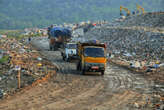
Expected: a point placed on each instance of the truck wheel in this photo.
(83, 72)
(54, 48)
(78, 66)
(63, 58)
(62, 54)
(102, 72)
(50, 48)
(67, 59)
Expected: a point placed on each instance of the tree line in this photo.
(20, 14)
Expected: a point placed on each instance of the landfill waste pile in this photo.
(21, 66)
(139, 44)
(139, 49)
(151, 19)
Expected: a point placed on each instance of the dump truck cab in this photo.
(70, 51)
(92, 57)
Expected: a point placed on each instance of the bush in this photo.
(4, 59)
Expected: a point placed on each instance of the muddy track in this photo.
(69, 90)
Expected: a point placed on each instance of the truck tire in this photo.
(63, 58)
(54, 48)
(50, 48)
(62, 54)
(102, 72)
(83, 72)
(67, 59)
(78, 66)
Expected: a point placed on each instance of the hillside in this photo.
(19, 14)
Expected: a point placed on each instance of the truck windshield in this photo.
(94, 52)
(71, 46)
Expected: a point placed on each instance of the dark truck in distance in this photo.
(57, 37)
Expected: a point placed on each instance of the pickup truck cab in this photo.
(70, 52)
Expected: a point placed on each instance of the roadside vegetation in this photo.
(18, 34)
(4, 59)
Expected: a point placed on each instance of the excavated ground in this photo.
(118, 89)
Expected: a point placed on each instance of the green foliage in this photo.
(11, 33)
(20, 36)
(20, 14)
(4, 59)
(17, 34)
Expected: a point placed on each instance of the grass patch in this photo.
(4, 59)
(17, 34)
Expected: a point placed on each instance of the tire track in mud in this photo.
(124, 79)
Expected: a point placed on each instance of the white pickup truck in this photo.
(69, 52)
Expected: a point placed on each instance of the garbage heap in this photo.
(133, 48)
(139, 44)
(24, 60)
(150, 19)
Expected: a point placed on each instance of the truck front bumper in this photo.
(73, 56)
(96, 67)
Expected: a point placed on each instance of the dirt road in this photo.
(118, 89)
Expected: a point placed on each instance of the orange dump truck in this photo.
(92, 57)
